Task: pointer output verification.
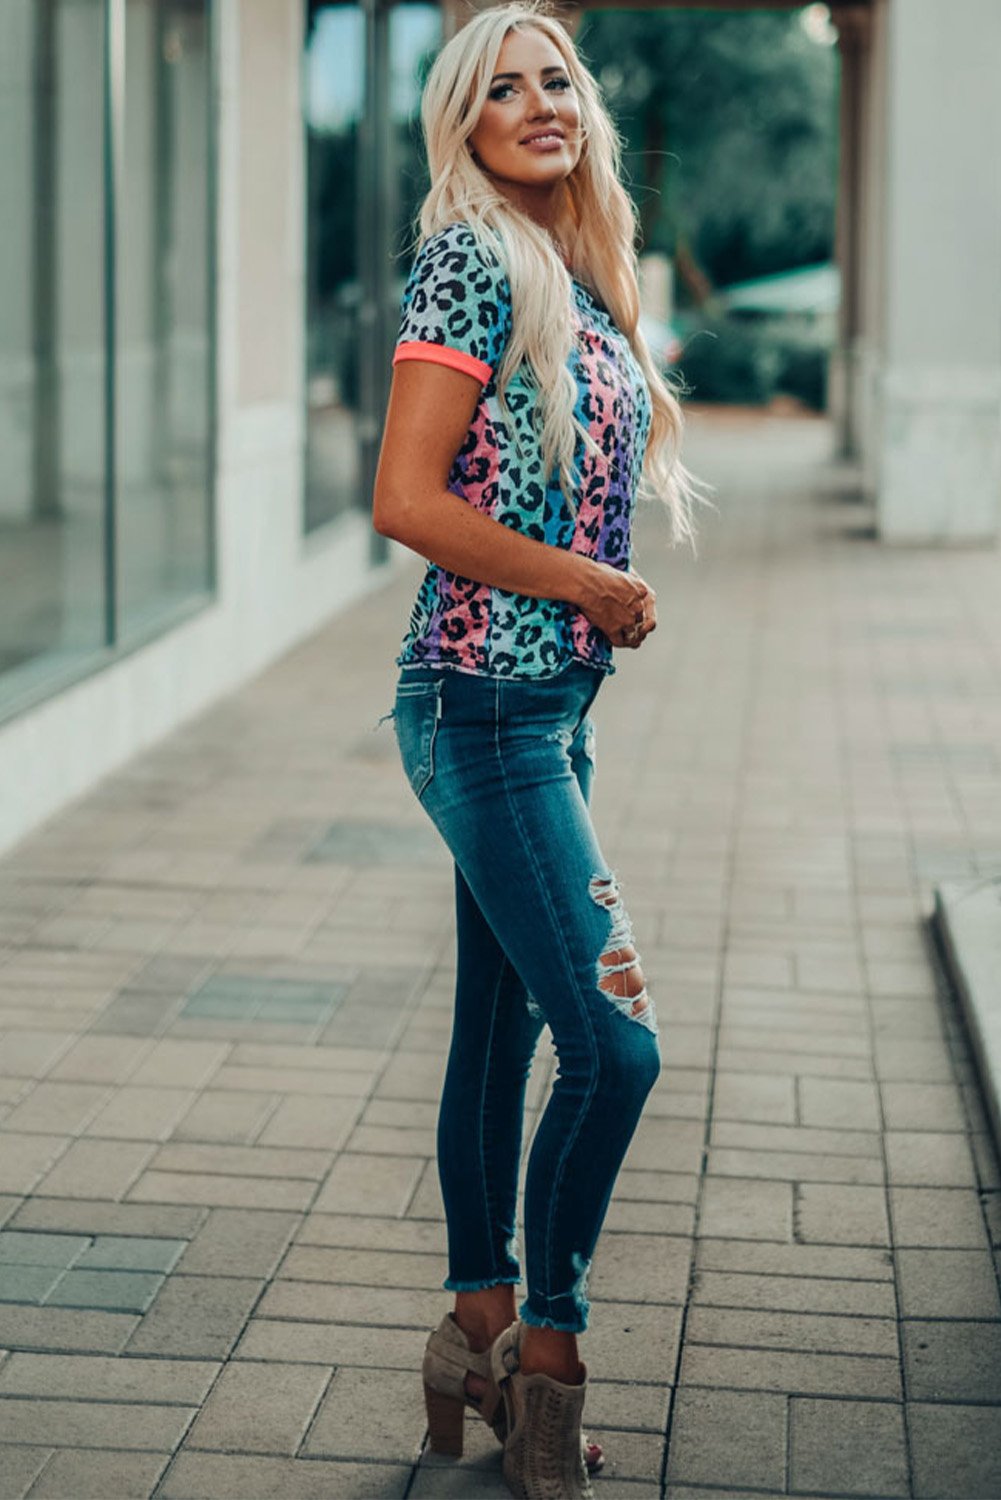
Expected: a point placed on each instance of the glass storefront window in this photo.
(52, 365)
(365, 177)
(163, 348)
(94, 553)
(333, 101)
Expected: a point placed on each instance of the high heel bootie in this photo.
(448, 1359)
(544, 1448)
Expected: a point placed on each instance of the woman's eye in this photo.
(558, 83)
(500, 91)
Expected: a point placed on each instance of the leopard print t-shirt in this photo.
(457, 312)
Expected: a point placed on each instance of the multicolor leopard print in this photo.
(457, 311)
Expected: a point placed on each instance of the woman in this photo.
(524, 407)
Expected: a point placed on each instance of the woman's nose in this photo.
(540, 105)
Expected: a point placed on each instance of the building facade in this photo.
(205, 230)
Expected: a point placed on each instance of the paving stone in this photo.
(131, 1253)
(18, 1247)
(226, 1117)
(94, 1218)
(369, 1184)
(666, 1146)
(369, 1414)
(947, 1284)
(18, 1467)
(640, 1268)
(948, 1218)
(728, 1438)
(88, 1475)
(198, 1317)
(29, 1284)
(30, 1053)
(748, 1210)
(218, 1476)
(239, 1242)
(164, 1382)
(795, 1294)
(793, 1166)
(953, 1361)
(750, 1059)
(363, 1232)
(56, 1108)
(96, 1169)
(24, 1159)
(848, 1447)
(626, 1406)
(634, 1341)
(923, 1106)
(835, 1215)
(839, 1105)
(655, 1187)
(792, 1371)
(301, 1122)
(955, 1451)
(330, 1343)
(810, 1332)
(383, 1306)
(928, 1159)
(92, 1424)
(249, 1161)
(795, 1138)
(389, 1268)
(629, 1456)
(213, 1190)
(293, 1081)
(140, 1114)
(850, 1263)
(180, 1064)
(904, 1061)
(65, 1329)
(117, 1291)
(649, 1218)
(264, 1408)
(106, 1059)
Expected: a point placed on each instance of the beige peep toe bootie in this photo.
(447, 1361)
(545, 1447)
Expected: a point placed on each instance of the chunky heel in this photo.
(445, 1419)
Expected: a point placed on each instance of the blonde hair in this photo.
(596, 225)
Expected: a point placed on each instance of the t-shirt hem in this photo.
(606, 668)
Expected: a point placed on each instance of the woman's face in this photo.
(528, 134)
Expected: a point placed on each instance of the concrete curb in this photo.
(968, 919)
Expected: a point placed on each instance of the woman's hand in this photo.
(621, 604)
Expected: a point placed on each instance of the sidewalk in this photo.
(224, 1005)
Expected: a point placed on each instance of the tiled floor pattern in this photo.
(224, 1001)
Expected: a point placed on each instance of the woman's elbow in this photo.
(388, 513)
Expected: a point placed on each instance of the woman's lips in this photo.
(550, 142)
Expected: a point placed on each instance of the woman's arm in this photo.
(430, 409)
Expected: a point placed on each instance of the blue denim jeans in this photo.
(503, 768)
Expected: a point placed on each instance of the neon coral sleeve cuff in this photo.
(441, 354)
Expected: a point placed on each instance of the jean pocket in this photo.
(416, 717)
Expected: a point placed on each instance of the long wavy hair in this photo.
(596, 225)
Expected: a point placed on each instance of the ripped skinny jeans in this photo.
(503, 768)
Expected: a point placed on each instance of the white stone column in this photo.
(938, 438)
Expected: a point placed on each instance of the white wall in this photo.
(938, 442)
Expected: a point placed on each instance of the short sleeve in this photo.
(457, 305)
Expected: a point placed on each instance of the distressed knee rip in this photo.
(618, 969)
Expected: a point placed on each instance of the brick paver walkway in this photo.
(224, 1004)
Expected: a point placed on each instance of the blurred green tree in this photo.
(730, 136)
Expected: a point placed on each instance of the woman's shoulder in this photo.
(457, 248)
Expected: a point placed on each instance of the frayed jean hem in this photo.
(451, 1285)
(542, 1320)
